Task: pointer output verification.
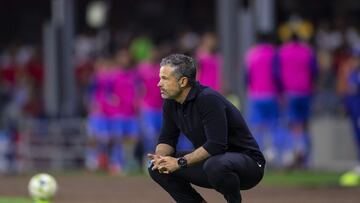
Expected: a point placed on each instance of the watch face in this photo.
(182, 162)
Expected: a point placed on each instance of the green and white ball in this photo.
(42, 186)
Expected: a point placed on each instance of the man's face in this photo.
(169, 86)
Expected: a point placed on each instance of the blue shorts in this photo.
(353, 106)
(123, 127)
(298, 108)
(97, 126)
(263, 111)
(151, 122)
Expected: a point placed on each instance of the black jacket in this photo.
(210, 121)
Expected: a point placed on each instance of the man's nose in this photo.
(159, 84)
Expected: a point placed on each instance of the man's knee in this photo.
(222, 178)
(214, 166)
(155, 175)
(158, 177)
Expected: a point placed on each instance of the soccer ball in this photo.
(42, 186)
(350, 179)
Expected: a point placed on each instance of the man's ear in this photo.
(184, 82)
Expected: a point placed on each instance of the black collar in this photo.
(193, 92)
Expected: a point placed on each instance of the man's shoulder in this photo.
(207, 91)
(208, 94)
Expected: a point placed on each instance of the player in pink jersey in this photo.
(151, 105)
(263, 94)
(209, 62)
(122, 113)
(99, 89)
(297, 64)
(122, 103)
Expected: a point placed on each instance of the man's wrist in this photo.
(164, 150)
(162, 153)
(182, 162)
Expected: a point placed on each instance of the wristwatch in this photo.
(182, 162)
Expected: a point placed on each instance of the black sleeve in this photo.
(169, 131)
(213, 115)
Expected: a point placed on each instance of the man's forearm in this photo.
(164, 150)
(198, 155)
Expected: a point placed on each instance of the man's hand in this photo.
(155, 160)
(164, 164)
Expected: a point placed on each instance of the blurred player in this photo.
(97, 127)
(151, 101)
(263, 95)
(348, 86)
(298, 69)
(122, 112)
(209, 62)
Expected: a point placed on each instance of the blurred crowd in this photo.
(120, 101)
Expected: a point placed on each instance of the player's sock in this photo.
(91, 159)
(116, 162)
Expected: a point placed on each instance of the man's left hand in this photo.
(165, 164)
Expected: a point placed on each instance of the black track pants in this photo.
(227, 173)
